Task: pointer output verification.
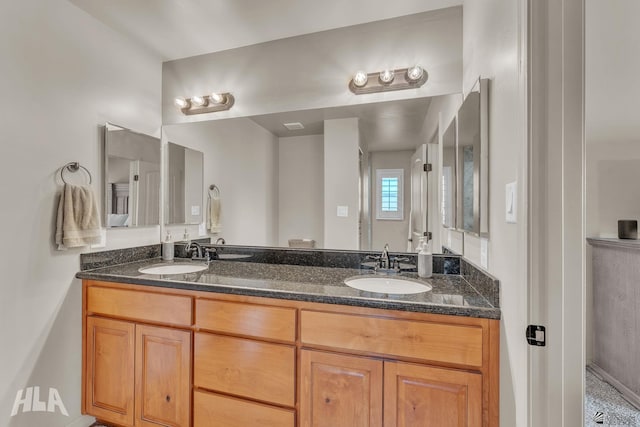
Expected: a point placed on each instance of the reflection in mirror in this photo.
(449, 176)
(184, 185)
(132, 178)
(316, 185)
(472, 162)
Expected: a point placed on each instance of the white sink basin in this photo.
(387, 285)
(173, 268)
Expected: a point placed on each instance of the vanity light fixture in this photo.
(360, 79)
(205, 104)
(415, 73)
(198, 101)
(387, 76)
(181, 103)
(386, 80)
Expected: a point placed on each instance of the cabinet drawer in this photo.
(212, 409)
(259, 321)
(145, 306)
(246, 368)
(436, 342)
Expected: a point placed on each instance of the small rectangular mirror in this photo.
(132, 178)
(472, 162)
(449, 176)
(184, 198)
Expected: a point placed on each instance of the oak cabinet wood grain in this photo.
(109, 387)
(420, 395)
(340, 390)
(163, 376)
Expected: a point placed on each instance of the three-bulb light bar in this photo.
(205, 104)
(386, 80)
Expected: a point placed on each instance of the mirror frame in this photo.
(453, 127)
(481, 168)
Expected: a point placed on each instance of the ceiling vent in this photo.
(294, 126)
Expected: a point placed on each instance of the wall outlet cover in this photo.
(343, 211)
(195, 210)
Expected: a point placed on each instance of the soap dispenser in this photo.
(425, 260)
(167, 248)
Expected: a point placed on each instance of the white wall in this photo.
(241, 158)
(63, 75)
(301, 189)
(492, 49)
(313, 70)
(341, 142)
(393, 232)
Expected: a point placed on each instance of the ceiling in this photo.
(384, 126)
(176, 29)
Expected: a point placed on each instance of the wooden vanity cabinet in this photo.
(415, 393)
(244, 364)
(135, 374)
(235, 361)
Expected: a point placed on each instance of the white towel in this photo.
(78, 220)
(213, 211)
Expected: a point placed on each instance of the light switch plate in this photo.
(343, 211)
(195, 210)
(511, 202)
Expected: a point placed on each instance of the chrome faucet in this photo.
(384, 258)
(199, 253)
(387, 264)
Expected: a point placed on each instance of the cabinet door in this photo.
(110, 364)
(163, 376)
(416, 395)
(340, 391)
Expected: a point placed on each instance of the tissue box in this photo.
(627, 229)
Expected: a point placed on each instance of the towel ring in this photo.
(74, 167)
(215, 189)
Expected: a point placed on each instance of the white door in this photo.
(144, 193)
(419, 211)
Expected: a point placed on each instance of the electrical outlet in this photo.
(343, 211)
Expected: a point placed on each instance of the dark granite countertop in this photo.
(451, 294)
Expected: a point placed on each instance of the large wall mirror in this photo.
(472, 210)
(131, 177)
(184, 182)
(449, 184)
(332, 178)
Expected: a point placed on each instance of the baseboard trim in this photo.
(82, 421)
(628, 394)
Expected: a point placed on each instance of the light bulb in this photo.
(415, 73)
(181, 103)
(360, 79)
(198, 101)
(387, 76)
(218, 98)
